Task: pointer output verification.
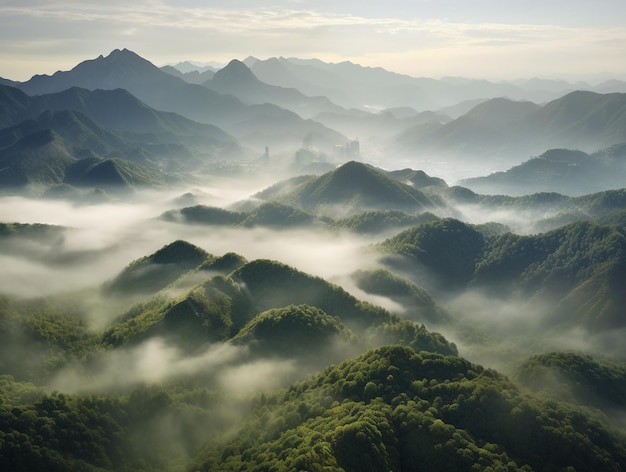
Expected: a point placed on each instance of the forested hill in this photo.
(398, 410)
(579, 267)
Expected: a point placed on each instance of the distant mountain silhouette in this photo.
(132, 130)
(267, 123)
(503, 131)
(238, 80)
(558, 170)
(351, 85)
(192, 76)
(384, 124)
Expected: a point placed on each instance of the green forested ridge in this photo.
(416, 303)
(271, 284)
(379, 221)
(274, 214)
(395, 409)
(580, 266)
(146, 428)
(417, 178)
(203, 214)
(150, 274)
(297, 331)
(449, 248)
(577, 378)
(218, 308)
(351, 188)
(25, 230)
(545, 210)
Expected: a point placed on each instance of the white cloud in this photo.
(418, 45)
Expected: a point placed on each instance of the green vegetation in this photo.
(578, 379)
(416, 303)
(36, 231)
(351, 188)
(40, 336)
(449, 248)
(220, 307)
(395, 409)
(273, 214)
(579, 267)
(152, 273)
(148, 428)
(296, 331)
(201, 214)
(382, 221)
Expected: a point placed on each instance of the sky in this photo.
(493, 39)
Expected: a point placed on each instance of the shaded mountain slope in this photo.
(577, 378)
(134, 125)
(42, 157)
(73, 127)
(415, 303)
(152, 273)
(13, 103)
(119, 109)
(448, 249)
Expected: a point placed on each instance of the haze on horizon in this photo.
(493, 39)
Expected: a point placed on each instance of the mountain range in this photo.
(264, 124)
(354, 86)
(264, 117)
(501, 131)
(263, 293)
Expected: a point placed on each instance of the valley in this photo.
(249, 269)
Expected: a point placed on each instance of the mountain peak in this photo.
(502, 110)
(179, 252)
(235, 72)
(125, 57)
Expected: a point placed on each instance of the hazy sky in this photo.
(474, 38)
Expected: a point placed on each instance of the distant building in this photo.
(307, 142)
(350, 150)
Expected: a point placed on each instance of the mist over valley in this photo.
(292, 264)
